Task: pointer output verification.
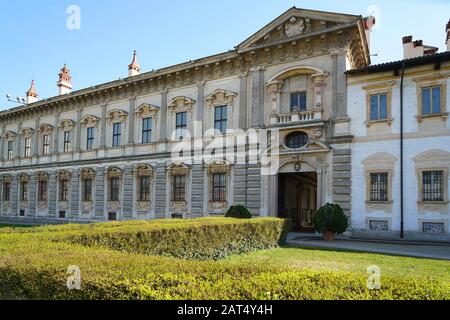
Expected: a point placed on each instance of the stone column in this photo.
(160, 191)
(273, 205)
(35, 151)
(201, 105)
(100, 193)
(32, 189)
(78, 132)
(127, 203)
(52, 193)
(75, 194)
(243, 96)
(257, 102)
(2, 144)
(198, 184)
(14, 195)
(339, 86)
(102, 128)
(56, 134)
(163, 133)
(18, 140)
(131, 120)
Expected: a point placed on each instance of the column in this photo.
(127, 203)
(257, 96)
(160, 190)
(163, 133)
(52, 193)
(18, 140)
(78, 132)
(14, 194)
(198, 194)
(75, 194)
(35, 151)
(243, 96)
(201, 105)
(32, 193)
(131, 120)
(2, 144)
(56, 135)
(102, 128)
(100, 193)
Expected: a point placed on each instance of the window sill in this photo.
(380, 202)
(422, 117)
(386, 121)
(432, 202)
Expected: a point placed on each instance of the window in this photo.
(219, 187)
(220, 119)
(62, 214)
(433, 227)
(63, 190)
(117, 132)
(181, 125)
(298, 102)
(45, 144)
(66, 141)
(146, 130)
(42, 190)
(144, 188)
(433, 185)
(10, 150)
(27, 152)
(89, 138)
(114, 183)
(297, 140)
(378, 107)
(379, 187)
(87, 190)
(431, 100)
(24, 191)
(6, 190)
(179, 188)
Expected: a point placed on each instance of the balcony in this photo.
(297, 117)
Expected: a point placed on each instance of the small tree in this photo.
(330, 219)
(239, 212)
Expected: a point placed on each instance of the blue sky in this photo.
(36, 41)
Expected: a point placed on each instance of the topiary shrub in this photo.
(330, 218)
(239, 212)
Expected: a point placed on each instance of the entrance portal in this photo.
(297, 199)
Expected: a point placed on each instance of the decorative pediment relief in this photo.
(147, 110)
(221, 97)
(114, 172)
(6, 178)
(45, 129)
(87, 173)
(181, 104)
(143, 170)
(66, 125)
(90, 121)
(178, 168)
(383, 159)
(433, 158)
(10, 135)
(117, 115)
(24, 178)
(27, 132)
(63, 175)
(217, 166)
(42, 176)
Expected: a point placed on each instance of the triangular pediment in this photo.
(296, 24)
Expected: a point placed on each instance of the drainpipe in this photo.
(402, 220)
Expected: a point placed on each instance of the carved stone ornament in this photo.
(27, 133)
(117, 115)
(114, 172)
(87, 206)
(46, 129)
(147, 110)
(42, 176)
(24, 178)
(178, 169)
(143, 205)
(66, 125)
(113, 205)
(221, 97)
(87, 173)
(63, 175)
(295, 27)
(10, 135)
(90, 121)
(217, 166)
(143, 170)
(181, 104)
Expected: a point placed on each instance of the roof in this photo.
(408, 63)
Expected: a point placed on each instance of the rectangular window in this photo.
(45, 144)
(144, 188)
(179, 188)
(433, 185)
(24, 191)
(63, 190)
(89, 138)
(378, 107)
(27, 152)
(117, 132)
(181, 125)
(431, 100)
(42, 190)
(219, 187)
(87, 190)
(298, 102)
(114, 184)
(379, 187)
(6, 191)
(66, 141)
(146, 130)
(220, 119)
(10, 150)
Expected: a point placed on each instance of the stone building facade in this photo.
(135, 148)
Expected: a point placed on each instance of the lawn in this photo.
(200, 259)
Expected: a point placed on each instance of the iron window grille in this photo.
(42, 192)
(6, 191)
(63, 190)
(24, 191)
(179, 188)
(219, 187)
(144, 188)
(379, 187)
(433, 186)
(297, 140)
(114, 184)
(87, 190)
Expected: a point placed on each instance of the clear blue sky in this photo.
(35, 41)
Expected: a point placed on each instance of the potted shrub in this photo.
(330, 220)
(239, 212)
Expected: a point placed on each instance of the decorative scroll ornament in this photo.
(90, 121)
(295, 27)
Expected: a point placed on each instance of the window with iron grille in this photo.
(433, 185)
(180, 125)
(24, 191)
(431, 100)
(114, 184)
(379, 187)
(378, 107)
(42, 190)
(144, 188)
(220, 119)
(27, 152)
(219, 187)
(45, 144)
(146, 130)
(63, 190)
(297, 140)
(179, 188)
(10, 149)
(89, 138)
(66, 141)
(117, 132)
(298, 102)
(6, 190)
(87, 189)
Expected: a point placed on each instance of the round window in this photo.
(297, 140)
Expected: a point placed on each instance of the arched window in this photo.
(296, 140)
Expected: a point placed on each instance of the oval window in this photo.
(297, 140)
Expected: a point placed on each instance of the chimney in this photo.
(64, 82)
(133, 67)
(448, 35)
(32, 95)
(412, 49)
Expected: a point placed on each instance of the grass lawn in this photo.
(315, 259)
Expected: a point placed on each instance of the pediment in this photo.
(296, 24)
